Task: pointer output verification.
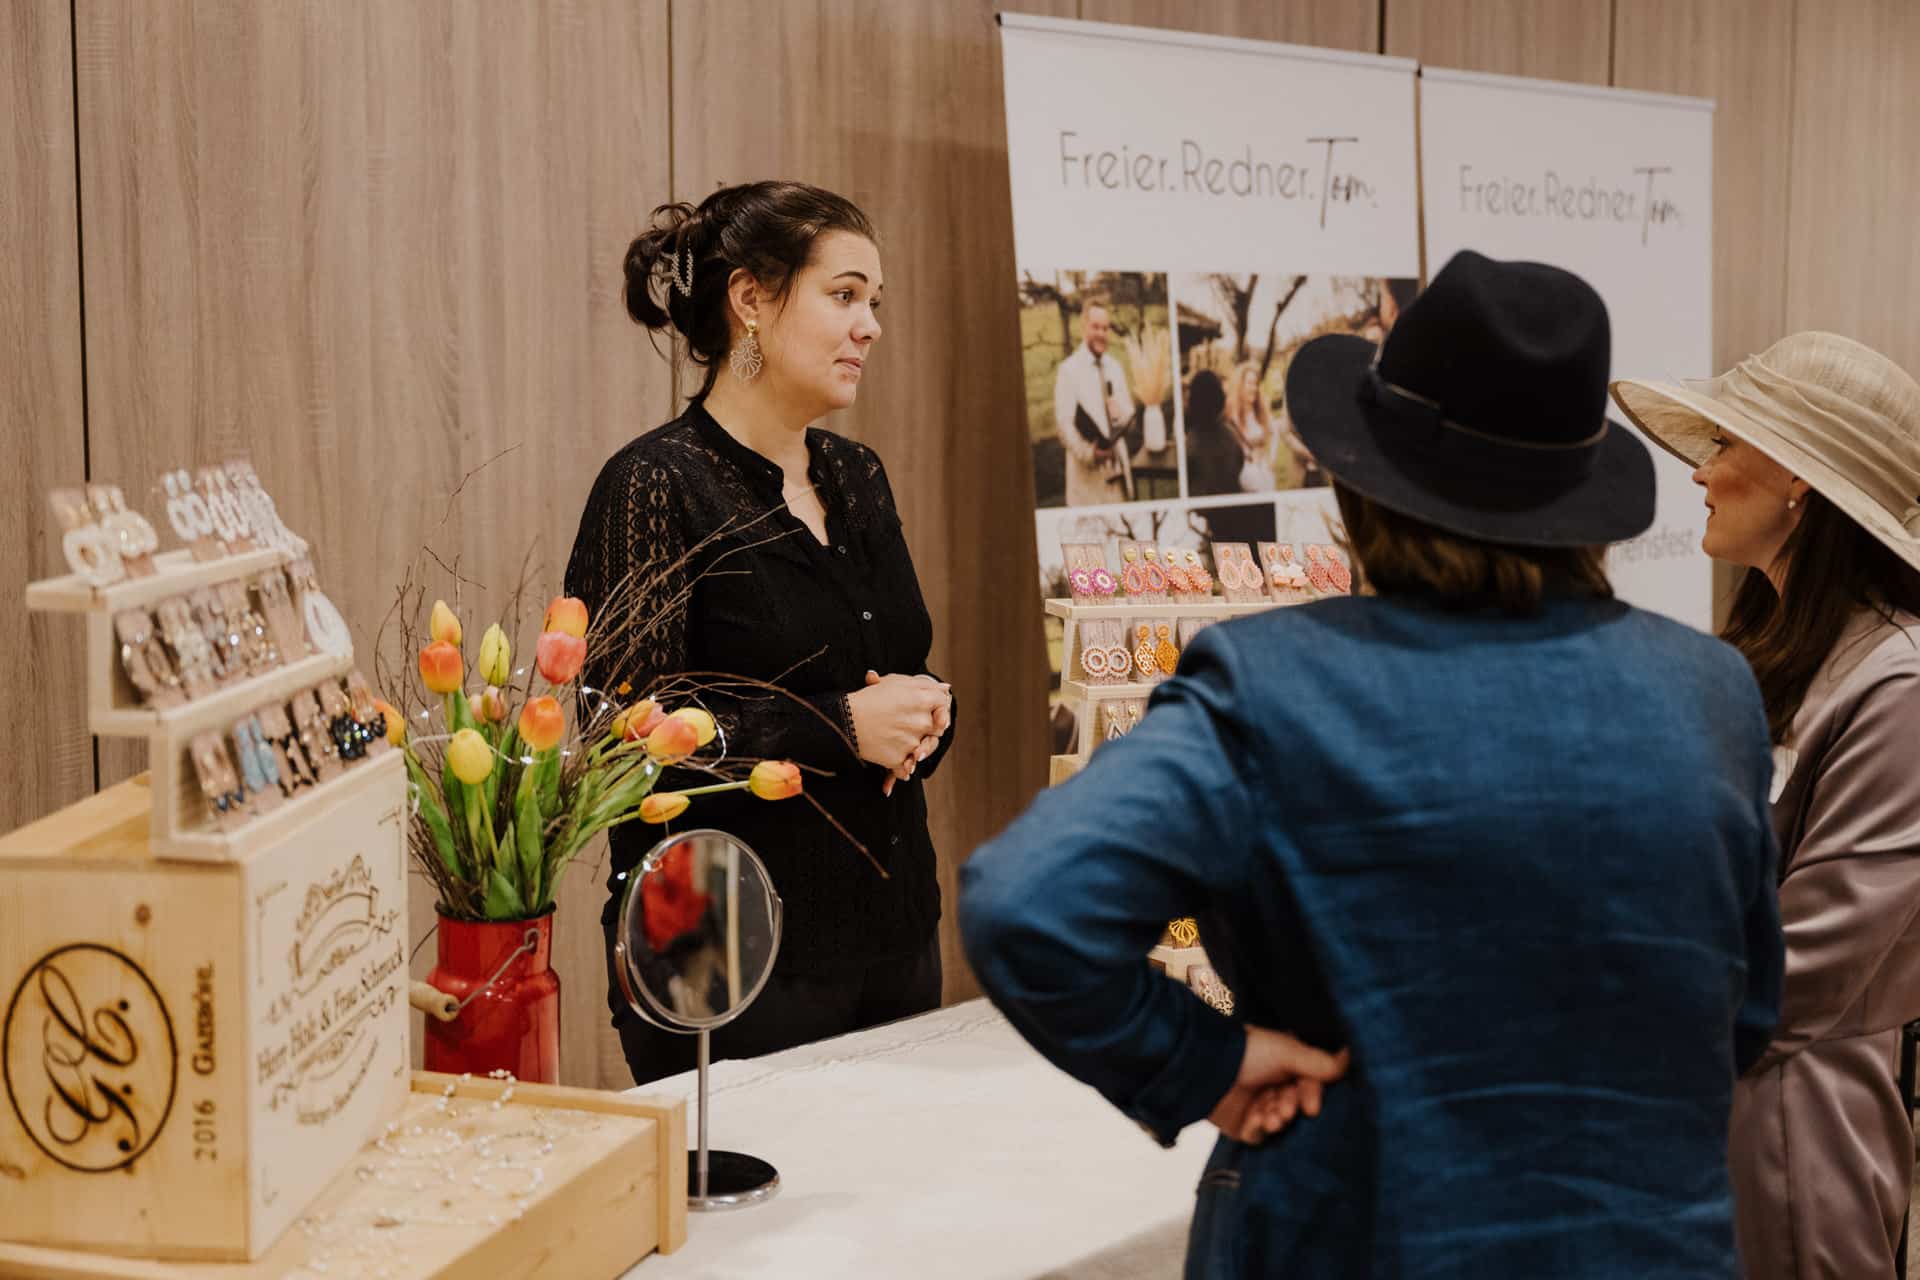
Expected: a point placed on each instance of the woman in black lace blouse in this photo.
(804, 581)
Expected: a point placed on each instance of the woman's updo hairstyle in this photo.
(678, 268)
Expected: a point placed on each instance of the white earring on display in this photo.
(747, 360)
(186, 509)
(325, 627)
(91, 554)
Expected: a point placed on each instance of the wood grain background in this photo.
(378, 245)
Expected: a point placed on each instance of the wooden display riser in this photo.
(612, 1191)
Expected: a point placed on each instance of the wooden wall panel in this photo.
(1739, 53)
(376, 246)
(1853, 255)
(1330, 24)
(42, 428)
(900, 107)
(1549, 39)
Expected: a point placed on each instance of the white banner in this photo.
(1616, 187)
(1188, 211)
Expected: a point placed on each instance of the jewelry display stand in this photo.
(1083, 694)
(202, 1024)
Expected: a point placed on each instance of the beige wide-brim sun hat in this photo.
(1837, 414)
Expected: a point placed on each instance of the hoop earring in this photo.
(746, 359)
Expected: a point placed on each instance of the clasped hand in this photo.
(1279, 1079)
(899, 721)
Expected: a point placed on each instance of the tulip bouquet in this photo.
(506, 794)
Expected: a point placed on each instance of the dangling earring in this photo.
(746, 359)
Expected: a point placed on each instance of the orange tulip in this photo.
(441, 668)
(673, 739)
(701, 722)
(444, 625)
(560, 656)
(542, 723)
(775, 780)
(638, 720)
(396, 723)
(663, 806)
(566, 614)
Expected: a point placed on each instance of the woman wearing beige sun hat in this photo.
(1810, 457)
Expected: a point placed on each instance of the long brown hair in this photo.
(1834, 569)
(1399, 555)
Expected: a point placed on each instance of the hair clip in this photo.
(682, 275)
(1143, 653)
(1164, 653)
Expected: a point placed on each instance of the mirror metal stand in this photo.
(719, 1180)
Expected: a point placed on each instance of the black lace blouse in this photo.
(770, 602)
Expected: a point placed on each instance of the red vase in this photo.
(511, 1020)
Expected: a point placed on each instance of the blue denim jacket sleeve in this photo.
(1059, 912)
(1759, 1013)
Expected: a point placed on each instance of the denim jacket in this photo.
(1523, 867)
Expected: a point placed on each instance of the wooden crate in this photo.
(192, 1051)
(612, 1191)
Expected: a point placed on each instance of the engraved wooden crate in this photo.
(424, 1203)
(192, 1051)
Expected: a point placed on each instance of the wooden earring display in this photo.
(205, 1000)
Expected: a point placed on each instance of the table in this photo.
(938, 1146)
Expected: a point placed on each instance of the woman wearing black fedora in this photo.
(1810, 457)
(1497, 953)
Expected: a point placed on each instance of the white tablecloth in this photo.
(941, 1146)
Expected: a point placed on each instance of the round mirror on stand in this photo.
(699, 929)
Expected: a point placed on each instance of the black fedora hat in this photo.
(1485, 411)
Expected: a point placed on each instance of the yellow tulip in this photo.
(496, 657)
(702, 723)
(663, 806)
(396, 723)
(469, 756)
(444, 626)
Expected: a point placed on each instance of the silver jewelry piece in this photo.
(682, 273)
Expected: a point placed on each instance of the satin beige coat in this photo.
(1822, 1148)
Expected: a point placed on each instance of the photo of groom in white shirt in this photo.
(1093, 408)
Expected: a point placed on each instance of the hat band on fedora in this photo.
(1380, 391)
(1468, 464)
